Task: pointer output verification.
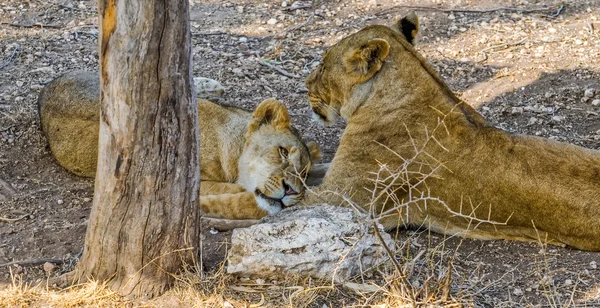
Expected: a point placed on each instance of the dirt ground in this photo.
(526, 70)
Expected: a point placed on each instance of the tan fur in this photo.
(543, 190)
(241, 160)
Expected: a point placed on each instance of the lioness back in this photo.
(414, 154)
(251, 162)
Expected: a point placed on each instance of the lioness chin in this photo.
(416, 155)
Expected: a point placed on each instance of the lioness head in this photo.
(275, 161)
(343, 75)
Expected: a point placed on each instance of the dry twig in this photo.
(464, 10)
(276, 68)
(33, 262)
(2, 219)
(33, 25)
(12, 56)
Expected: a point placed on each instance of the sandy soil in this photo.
(528, 71)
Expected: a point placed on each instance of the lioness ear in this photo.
(366, 60)
(314, 151)
(270, 112)
(409, 26)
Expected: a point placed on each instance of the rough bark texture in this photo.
(144, 219)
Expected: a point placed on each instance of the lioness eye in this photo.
(283, 152)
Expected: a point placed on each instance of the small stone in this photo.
(240, 9)
(596, 102)
(338, 22)
(49, 268)
(558, 118)
(19, 83)
(60, 201)
(532, 120)
(272, 21)
(589, 92)
(517, 110)
(284, 4)
(213, 231)
(87, 199)
(552, 30)
(227, 305)
(568, 282)
(593, 265)
(260, 281)
(451, 17)
(243, 39)
(517, 292)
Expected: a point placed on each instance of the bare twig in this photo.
(294, 28)
(34, 25)
(399, 269)
(504, 45)
(2, 219)
(464, 10)
(210, 33)
(228, 224)
(276, 68)
(299, 7)
(33, 262)
(12, 56)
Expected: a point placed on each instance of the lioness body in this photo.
(243, 175)
(492, 184)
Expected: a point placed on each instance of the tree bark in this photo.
(144, 220)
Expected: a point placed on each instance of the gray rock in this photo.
(318, 241)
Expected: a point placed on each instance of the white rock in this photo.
(517, 292)
(517, 110)
(589, 92)
(558, 118)
(272, 21)
(206, 87)
(596, 102)
(593, 265)
(243, 39)
(319, 241)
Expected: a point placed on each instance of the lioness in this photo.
(437, 163)
(251, 163)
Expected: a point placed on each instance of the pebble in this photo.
(568, 282)
(517, 110)
(589, 92)
(243, 39)
(596, 102)
(49, 268)
(60, 201)
(284, 4)
(558, 118)
(271, 21)
(593, 265)
(517, 292)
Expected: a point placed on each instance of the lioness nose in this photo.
(288, 189)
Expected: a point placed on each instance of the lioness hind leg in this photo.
(228, 201)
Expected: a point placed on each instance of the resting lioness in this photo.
(251, 163)
(460, 174)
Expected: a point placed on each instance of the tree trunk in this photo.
(144, 220)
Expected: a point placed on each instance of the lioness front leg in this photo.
(228, 201)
